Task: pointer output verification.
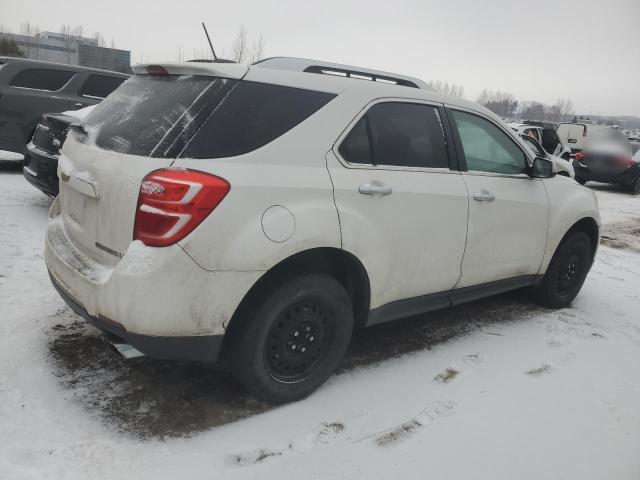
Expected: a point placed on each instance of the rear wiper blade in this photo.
(78, 127)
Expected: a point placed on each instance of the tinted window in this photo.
(401, 134)
(144, 110)
(100, 85)
(355, 148)
(42, 79)
(251, 115)
(486, 147)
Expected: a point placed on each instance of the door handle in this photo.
(484, 196)
(375, 188)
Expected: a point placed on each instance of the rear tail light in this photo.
(173, 202)
(579, 156)
(623, 162)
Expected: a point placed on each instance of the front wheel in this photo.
(566, 272)
(293, 339)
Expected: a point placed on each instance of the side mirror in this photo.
(542, 168)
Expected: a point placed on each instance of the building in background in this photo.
(73, 50)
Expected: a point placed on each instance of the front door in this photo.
(508, 210)
(402, 209)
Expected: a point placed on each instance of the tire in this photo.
(635, 187)
(581, 181)
(566, 272)
(292, 338)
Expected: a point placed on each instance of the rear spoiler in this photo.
(226, 70)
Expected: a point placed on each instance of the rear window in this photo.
(142, 111)
(100, 86)
(42, 79)
(197, 116)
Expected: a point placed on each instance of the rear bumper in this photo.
(626, 178)
(204, 348)
(157, 299)
(40, 170)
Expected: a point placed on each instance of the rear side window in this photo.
(100, 86)
(42, 79)
(486, 147)
(398, 134)
(251, 115)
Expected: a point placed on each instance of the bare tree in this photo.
(239, 48)
(257, 50)
(448, 89)
(501, 103)
(26, 29)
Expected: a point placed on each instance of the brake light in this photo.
(172, 202)
(579, 156)
(156, 70)
(623, 162)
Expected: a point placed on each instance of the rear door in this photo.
(508, 210)
(402, 205)
(94, 88)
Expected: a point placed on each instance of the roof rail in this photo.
(348, 71)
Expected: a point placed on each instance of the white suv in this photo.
(254, 215)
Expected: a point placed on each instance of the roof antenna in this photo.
(215, 57)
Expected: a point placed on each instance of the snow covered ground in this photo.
(496, 389)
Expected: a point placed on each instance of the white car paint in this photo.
(428, 236)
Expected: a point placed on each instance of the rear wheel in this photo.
(293, 338)
(566, 272)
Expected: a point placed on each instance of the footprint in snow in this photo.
(322, 434)
(406, 429)
(458, 367)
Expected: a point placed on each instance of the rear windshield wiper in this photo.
(78, 127)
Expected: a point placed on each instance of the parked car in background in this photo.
(42, 151)
(29, 88)
(560, 166)
(576, 135)
(545, 134)
(607, 157)
(255, 214)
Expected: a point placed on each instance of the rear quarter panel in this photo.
(290, 172)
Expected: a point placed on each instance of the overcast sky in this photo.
(586, 50)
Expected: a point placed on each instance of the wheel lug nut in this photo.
(293, 347)
(303, 349)
(296, 333)
(311, 338)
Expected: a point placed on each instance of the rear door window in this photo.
(42, 79)
(398, 134)
(100, 86)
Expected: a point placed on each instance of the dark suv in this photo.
(29, 88)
